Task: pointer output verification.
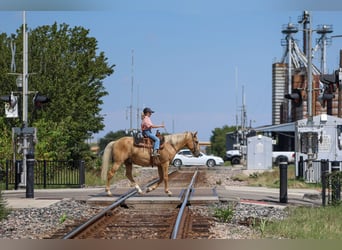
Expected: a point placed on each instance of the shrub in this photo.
(224, 214)
(4, 211)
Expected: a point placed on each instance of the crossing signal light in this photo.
(328, 96)
(330, 78)
(11, 105)
(39, 100)
(295, 96)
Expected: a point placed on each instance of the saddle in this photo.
(142, 141)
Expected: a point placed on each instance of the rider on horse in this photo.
(146, 127)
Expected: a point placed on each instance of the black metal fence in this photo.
(46, 174)
(331, 184)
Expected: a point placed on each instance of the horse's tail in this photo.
(107, 159)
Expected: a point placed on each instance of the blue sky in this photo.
(191, 58)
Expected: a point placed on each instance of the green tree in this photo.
(7, 84)
(65, 66)
(5, 140)
(218, 140)
(111, 136)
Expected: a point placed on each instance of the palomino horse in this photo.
(122, 151)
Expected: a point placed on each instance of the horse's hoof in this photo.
(149, 190)
(169, 193)
(138, 189)
(109, 193)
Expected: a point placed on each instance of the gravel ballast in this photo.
(42, 223)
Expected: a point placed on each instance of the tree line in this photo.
(65, 65)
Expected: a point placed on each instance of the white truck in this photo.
(234, 156)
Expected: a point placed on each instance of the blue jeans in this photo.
(149, 134)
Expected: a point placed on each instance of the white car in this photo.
(185, 157)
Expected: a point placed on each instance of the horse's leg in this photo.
(161, 178)
(165, 170)
(129, 168)
(110, 176)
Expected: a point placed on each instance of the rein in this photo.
(193, 141)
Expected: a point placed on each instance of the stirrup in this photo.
(155, 153)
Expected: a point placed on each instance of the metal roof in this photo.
(285, 127)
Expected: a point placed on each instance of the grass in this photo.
(308, 223)
(4, 211)
(302, 222)
(93, 177)
(224, 214)
(271, 179)
(63, 218)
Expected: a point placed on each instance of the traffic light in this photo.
(328, 78)
(11, 105)
(332, 80)
(39, 100)
(327, 96)
(295, 96)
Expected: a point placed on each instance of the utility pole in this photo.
(24, 99)
(24, 132)
(28, 151)
(309, 73)
(131, 105)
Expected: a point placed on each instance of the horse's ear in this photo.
(195, 134)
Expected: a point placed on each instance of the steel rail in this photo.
(117, 203)
(182, 208)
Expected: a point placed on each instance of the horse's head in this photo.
(193, 144)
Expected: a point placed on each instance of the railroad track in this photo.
(163, 220)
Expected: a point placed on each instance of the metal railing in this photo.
(331, 184)
(313, 173)
(47, 173)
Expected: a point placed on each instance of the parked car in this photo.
(234, 156)
(185, 157)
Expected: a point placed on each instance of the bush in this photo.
(224, 214)
(4, 211)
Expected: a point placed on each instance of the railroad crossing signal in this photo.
(330, 78)
(39, 100)
(11, 105)
(295, 96)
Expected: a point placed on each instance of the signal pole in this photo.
(131, 106)
(24, 100)
(28, 155)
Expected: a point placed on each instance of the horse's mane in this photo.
(174, 139)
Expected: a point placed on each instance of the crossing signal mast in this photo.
(24, 135)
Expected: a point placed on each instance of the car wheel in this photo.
(235, 160)
(177, 163)
(211, 163)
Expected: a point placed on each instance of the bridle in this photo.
(195, 151)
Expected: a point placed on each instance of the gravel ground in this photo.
(40, 223)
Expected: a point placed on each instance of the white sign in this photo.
(11, 111)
